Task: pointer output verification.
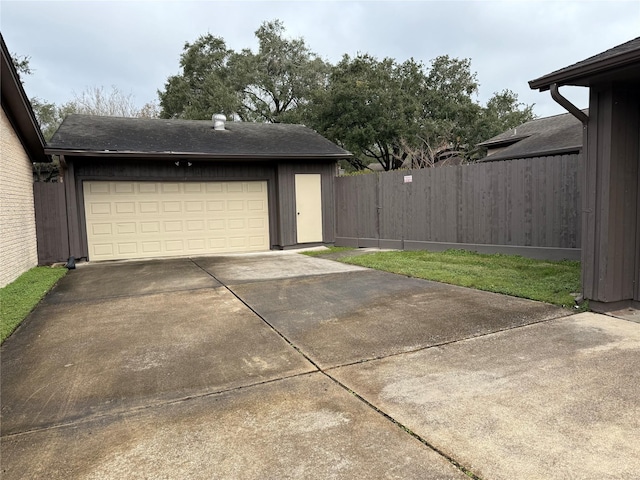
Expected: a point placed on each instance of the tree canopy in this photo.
(369, 106)
(383, 111)
(273, 85)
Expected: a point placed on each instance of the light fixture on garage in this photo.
(218, 121)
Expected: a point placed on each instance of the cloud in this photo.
(136, 45)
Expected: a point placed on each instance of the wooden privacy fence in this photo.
(51, 222)
(529, 207)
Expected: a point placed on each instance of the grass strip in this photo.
(19, 297)
(541, 280)
(326, 251)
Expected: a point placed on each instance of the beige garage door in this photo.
(159, 219)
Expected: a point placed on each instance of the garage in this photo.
(146, 187)
(127, 220)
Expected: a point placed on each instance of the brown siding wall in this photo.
(531, 203)
(611, 257)
(51, 222)
(287, 198)
(279, 177)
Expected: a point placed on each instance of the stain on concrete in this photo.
(345, 318)
(302, 427)
(70, 361)
(560, 399)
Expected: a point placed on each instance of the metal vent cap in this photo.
(218, 121)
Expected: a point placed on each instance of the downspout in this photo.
(586, 211)
(567, 105)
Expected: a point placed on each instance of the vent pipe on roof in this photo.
(218, 121)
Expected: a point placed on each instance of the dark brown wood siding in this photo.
(611, 257)
(279, 176)
(51, 222)
(286, 172)
(518, 203)
(357, 215)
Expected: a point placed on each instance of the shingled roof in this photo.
(623, 61)
(117, 136)
(540, 137)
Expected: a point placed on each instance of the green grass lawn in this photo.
(19, 297)
(545, 281)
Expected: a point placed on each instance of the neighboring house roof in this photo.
(18, 108)
(540, 137)
(145, 137)
(618, 62)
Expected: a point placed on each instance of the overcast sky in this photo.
(136, 45)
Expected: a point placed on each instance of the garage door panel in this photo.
(235, 187)
(170, 187)
(171, 207)
(126, 228)
(149, 227)
(125, 207)
(153, 248)
(147, 187)
(103, 249)
(149, 207)
(173, 226)
(195, 225)
(193, 206)
(216, 225)
(153, 219)
(100, 208)
(123, 187)
(101, 229)
(127, 249)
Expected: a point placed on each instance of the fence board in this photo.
(518, 203)
(51, 222)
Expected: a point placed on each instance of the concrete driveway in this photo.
(285, 366)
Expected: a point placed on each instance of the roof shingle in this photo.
(118, 135)
(539, 137)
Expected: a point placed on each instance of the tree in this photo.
(97, 101)
(453, 123)
(370, 106)
(503, 111)
(450, 113)
(204, 86)
(92, 101)
(273, 85)
(22, 64)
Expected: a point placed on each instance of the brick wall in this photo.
(18, 247)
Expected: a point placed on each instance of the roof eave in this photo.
(572, 75)
(547, 153)
(18, 108)
(501, 143)
(194, 155)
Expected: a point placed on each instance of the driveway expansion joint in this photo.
(119, 297)
(275, 330)
(404, 428)
(385, 415)
(444, 344)
(149, 406)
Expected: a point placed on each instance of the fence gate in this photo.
(51, 222)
